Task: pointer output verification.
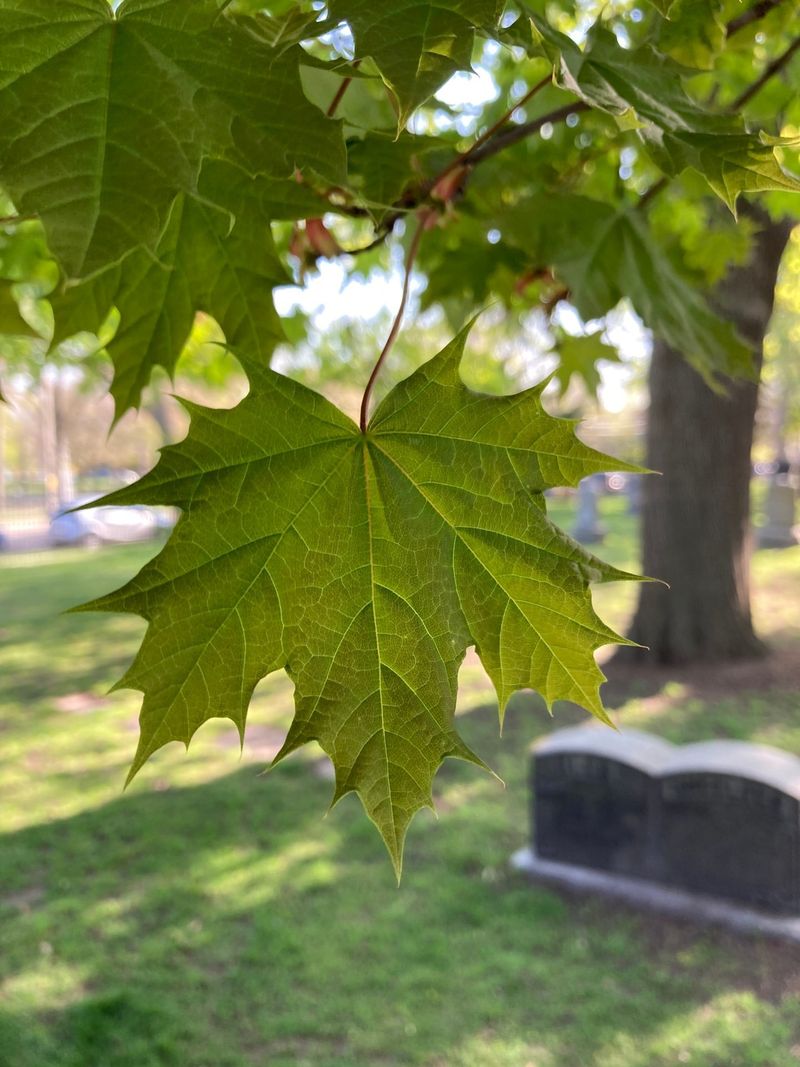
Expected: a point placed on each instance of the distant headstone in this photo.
(592, 798)
(588, 528)
(633, 491)
(730, 823)
(720, 818)
(778, 531)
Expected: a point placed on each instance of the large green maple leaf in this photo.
(416, 44)
(365, 565)
(108, 116)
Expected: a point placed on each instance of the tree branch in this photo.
(512, 136)
(413, 249)
(769, 72)
(754, 14)
(474, 155)
(465, 158)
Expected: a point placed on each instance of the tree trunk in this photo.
(696, 516)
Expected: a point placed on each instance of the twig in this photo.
(413, 249)
(376, 242)
(512, 136)
(334, 104)
(774, 67)
(754, 14)
(478, 152)
(652, 192)
(10, 220)
(466, 158)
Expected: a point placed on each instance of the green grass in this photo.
(211, 917)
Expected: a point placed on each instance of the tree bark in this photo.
(696, 515)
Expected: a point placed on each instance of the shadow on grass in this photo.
(227, 925)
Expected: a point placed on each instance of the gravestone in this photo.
(778, 531)
(729, 823)
(634, 490)
(718, 818)
(588, 528)
(592, 798)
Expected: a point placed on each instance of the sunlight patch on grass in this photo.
(212, 915)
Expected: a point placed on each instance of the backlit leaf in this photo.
(604, 255)
(201, 264)
(644, 89)
(365, 565)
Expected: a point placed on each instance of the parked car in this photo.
(106, 524)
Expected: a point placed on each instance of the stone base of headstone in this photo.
(653, 896)
(779, 529)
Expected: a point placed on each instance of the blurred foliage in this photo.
(661, 78)
(782, 344)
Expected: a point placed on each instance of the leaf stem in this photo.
(337, 99)
(413, 249)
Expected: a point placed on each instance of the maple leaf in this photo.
(605, 254)
(579, 355)
(144, 96)
(696, 34)
(644, 90)
(203, 263)
(416, 44)
(365, 565)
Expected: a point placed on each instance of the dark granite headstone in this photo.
(778, 531)
(721, 818)
(592, 798)
(729, 823)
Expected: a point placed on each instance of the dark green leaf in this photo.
(604, 255)
(142, 98)
(416, 44)
(694, 34)
(201, 264)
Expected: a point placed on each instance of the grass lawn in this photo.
(211, 917)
